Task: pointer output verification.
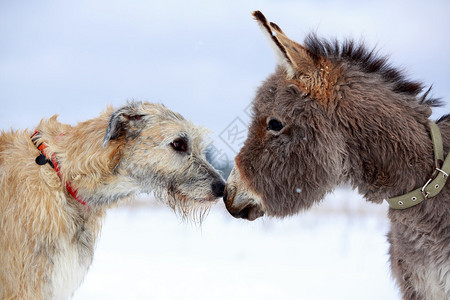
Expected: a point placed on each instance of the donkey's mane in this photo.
(369, 61)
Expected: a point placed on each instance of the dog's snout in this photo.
(218, 188)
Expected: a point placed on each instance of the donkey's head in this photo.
(293, 154)
(304, 117)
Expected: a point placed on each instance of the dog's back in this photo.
(16, 220)
(39, 258)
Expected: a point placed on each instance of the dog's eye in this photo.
(274, 125)
(179, 145)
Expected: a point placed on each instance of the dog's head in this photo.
(161, 151)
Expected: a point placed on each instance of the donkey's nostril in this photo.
(245, 212)
(218, 187)
(250, 212)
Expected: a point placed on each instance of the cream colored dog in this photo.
(53, 198)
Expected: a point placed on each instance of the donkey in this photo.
(56, 186)
(336, 112)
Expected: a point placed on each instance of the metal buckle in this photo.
(443, 172)
(425, 194)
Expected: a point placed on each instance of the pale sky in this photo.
(203, 59)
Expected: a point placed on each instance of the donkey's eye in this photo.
(179, 145)
(274, 125)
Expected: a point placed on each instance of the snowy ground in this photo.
(335, 251)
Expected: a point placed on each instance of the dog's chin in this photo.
(185, 199)
(179, 198)
(210, 199)
(192, 209)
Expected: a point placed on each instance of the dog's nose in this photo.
(218, 187)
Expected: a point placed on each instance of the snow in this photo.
(336, 251)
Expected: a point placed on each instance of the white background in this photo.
(205, 59)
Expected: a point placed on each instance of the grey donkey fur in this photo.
(47, 238)
(334, 113)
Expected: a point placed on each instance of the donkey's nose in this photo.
(250, 212)
(218, 187)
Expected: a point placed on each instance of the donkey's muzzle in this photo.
(250, 212)
(239, 208)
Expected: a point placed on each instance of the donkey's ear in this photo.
(312, 73)
(127, 121)
(284, 58)
(291, 55)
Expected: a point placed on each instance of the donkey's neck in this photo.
(389, 146)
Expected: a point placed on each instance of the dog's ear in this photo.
(128, 121)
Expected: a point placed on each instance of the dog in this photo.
(56, 185)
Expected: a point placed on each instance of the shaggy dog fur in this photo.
(334, 113)
(47, 238)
